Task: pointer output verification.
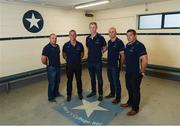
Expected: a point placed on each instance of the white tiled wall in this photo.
(18, 56)
(163, 50)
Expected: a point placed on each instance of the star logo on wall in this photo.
(33, 21)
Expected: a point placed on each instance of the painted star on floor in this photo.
(88, 111)
(90, 107)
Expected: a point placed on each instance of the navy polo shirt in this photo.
(73, 53)
(114, 49)
(95, 46)
(133, 52)
(53, 54)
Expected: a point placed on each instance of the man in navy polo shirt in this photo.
(136, 62)
(115, 53)
(96, 45)
(51, 58)
(73, 52)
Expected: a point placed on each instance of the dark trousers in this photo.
(72, 69)
(113, 77)
(54, 80)
(133, 83)
(95, 70)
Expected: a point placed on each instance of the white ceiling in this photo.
(69, 4)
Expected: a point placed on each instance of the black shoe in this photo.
(52, 100)
(68, 98)
(59, 95)
(110, 96)
(80, 96)
(100, 98)
(91, 94)
(115, 101)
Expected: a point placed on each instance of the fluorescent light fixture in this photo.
(90, 4)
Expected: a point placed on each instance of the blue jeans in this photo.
(95, 70)
(54, 80)
(113, 77)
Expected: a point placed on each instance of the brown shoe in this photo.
(132, 113)
(115, 101)
(124, 105)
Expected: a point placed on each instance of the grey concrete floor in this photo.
(160, 102)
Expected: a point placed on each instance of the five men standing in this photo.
(134, 53)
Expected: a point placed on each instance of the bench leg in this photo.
(8, 87)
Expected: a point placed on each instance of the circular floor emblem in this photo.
(33, 21)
